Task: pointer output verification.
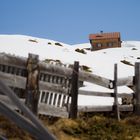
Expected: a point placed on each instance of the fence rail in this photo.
(21, 62)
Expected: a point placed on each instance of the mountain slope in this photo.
(99, 62)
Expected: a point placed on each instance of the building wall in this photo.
(105, 43)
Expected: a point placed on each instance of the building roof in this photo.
(104, 35)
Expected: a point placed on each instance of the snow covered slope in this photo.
(100, 62)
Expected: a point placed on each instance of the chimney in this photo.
(101, 32)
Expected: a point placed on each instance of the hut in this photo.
(105, 40)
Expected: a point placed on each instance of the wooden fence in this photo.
(53, 90)
(57, 97)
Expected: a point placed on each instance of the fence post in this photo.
(137, 88)
(74, 91)
(116, 105)
(32, 83)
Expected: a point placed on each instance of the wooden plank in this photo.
(52, 110)
(52, 87)
(95, 93)
(52, 99)
(32, 83)
(104, 94)
(56, 102)
(104, 108)
(44, 97)
(83, 76)
(48, 99)
(137, 88)
(11, 60)
(20, 62)
(20, 82)
(13, 80)
(74, 91)
(93, 78)
(40, 96)
(116, 104)
(62, 112)
(61, 100)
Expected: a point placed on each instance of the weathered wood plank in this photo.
(137, 88)
(57, 70)
(13, 80)
(104, 94)
(52, 110)
(104, 108)
(83, 76)
(11, 60)
(20, 82)
(53, 87)
(32, 83)
(116, 104)
(74, 91)
(93, 78)
(62, 112)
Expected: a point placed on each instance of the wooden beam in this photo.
(53, 87)
(83, 76)
(116, 104)
(95, 79)
(50, 110)
(11, 60)
(32, 83)
(13, 80)
(104, 108)
(74, 91)
(20, 82)
(20, 62)
(104, 94)
(137, 88)
(62, 112)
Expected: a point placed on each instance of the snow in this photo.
(101, 62)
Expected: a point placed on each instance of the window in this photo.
(110, 44)
(98, 45)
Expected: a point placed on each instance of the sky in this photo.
(70, 21)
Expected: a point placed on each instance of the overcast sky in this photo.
(70, 21)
